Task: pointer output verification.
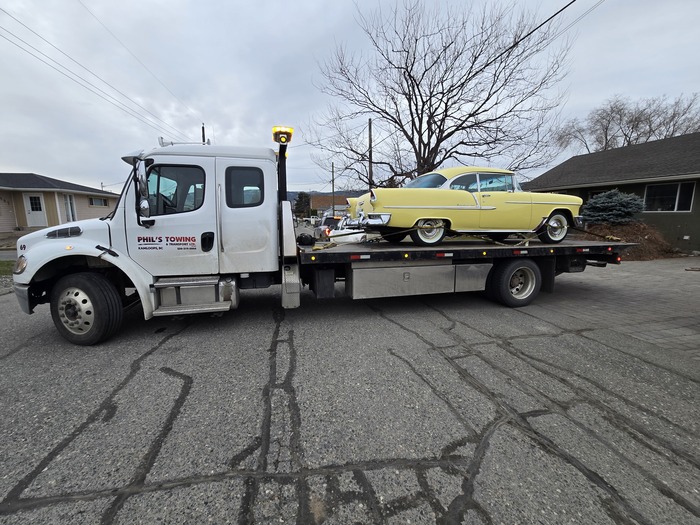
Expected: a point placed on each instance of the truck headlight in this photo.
(20, 265)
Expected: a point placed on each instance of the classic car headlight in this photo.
(20, 265)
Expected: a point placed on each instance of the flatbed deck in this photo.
(325, 253)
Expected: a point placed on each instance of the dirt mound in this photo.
(651, 243)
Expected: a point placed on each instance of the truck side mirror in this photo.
(144, 208)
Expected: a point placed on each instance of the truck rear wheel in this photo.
(86, 308)
(515, 282)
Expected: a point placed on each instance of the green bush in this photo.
(612, 207)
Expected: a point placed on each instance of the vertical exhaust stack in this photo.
(283, 136)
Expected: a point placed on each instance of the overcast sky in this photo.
(241, 67)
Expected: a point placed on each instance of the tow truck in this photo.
(195, 224)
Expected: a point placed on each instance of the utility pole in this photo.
(333, 186)
(371, 182)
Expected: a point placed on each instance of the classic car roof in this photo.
(451, 173)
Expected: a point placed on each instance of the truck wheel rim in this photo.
(76, 311)
(522, 283)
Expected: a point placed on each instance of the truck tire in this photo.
(514, 282)
(555, 229)
(86, 308)
(428, 232)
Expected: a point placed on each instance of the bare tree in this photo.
(621, 122)
(455, 85)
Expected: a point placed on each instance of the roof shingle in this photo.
(32, 181)
(673, 157)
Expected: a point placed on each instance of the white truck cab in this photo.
(194, 224)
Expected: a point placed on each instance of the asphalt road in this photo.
(580, 408)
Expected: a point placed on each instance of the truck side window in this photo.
(175, 189)
(244, 187)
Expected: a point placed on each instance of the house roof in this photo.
(34, 182)
(675, 157)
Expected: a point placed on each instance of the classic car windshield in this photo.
(429, 180)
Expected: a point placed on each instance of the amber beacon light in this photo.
(282, 134)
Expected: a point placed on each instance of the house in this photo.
(326, 203)
(30, 201)
(665, 173)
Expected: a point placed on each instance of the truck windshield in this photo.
(429, 180)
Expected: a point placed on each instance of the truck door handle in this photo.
(207, 241)
(485, 194)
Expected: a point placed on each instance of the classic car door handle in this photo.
(485, 194)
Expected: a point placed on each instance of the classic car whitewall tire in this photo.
(86, 308)
(555, 229)
(428, 232)
(515, 283)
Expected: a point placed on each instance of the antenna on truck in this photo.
(283, 136)
(163, 143)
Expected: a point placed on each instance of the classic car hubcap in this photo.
(76, 311)
(430, 229)
(556, 227)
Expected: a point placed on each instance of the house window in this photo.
(69, 206)
(677, 196)
(98, 201)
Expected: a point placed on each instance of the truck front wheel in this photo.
(86, 308)
(515, 282)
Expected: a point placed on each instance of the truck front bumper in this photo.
(22, 293)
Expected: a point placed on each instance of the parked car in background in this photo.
(342, 234)
(466, 199)
(325, 226)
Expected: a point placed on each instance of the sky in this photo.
(241, 67)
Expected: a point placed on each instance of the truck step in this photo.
(191, 280)
(182, 309)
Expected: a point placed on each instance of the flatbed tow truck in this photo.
(196, 224)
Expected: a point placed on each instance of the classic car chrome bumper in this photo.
(371, 220)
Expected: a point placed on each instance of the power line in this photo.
(577, 20)
(139, 61)
(174, 130)
(77, 79)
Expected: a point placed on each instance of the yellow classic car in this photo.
(472, 200)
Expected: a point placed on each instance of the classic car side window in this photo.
(429, 180)
(466, 182)
(496, 182)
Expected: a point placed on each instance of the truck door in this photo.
(182, 238)
(248, 210)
